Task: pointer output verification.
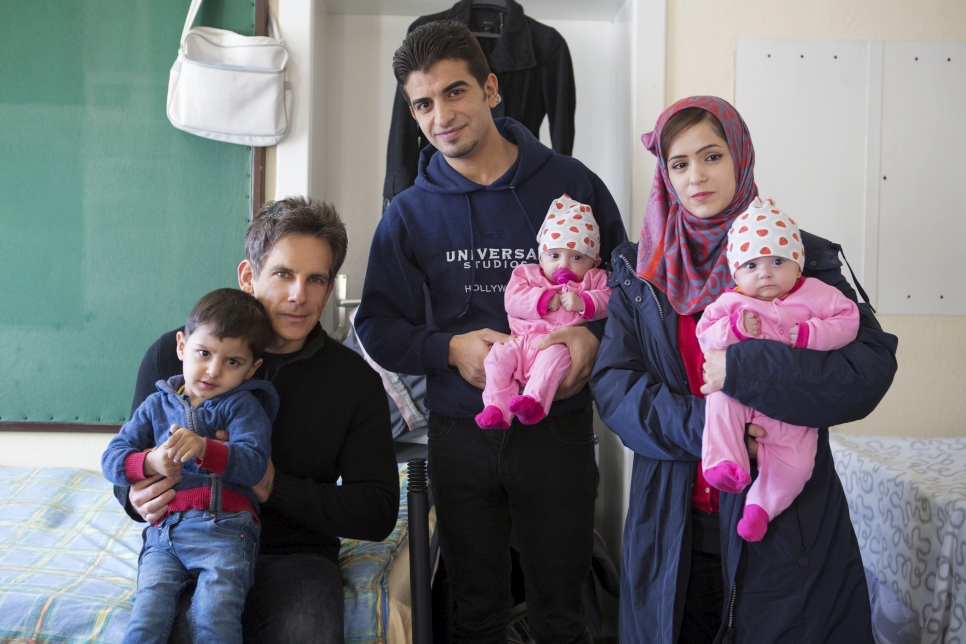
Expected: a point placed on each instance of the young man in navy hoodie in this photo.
(455, 236)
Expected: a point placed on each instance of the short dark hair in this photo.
(230, 313)
(684, 121)
(439, 40)
(295, 216)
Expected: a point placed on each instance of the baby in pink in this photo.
(771, 301)
(565, 289)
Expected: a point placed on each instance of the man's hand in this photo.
(157, 461)
(572, 302)
(184, 445)
(150, 497)
(583, 346)
(754, 432)
(467, 352)
(752, 323)
(714, 371)
(263, 489)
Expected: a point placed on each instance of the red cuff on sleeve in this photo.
(543, 302)
(589, 307)
(733, 319)
(134, 466)
(801, 342)
(216, 457)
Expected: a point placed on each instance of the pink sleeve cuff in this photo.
(216, 457)
(134, 466)
(801, 342)
(589, 307)
(543, 302)
(734, 319)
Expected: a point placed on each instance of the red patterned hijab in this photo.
(679, 253)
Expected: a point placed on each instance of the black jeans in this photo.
(541, 480)
(296, 598)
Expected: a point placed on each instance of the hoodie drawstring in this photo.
(469, 214)
(469, 295)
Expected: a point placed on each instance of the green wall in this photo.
(112, 222)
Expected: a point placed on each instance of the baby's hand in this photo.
(752, 323)
(184, 445)
(158, 462)
(554, 303)
(572, 302)
(793, 335)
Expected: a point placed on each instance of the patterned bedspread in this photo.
(907, 499)
(68, 562)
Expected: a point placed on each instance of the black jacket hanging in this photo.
(536, 77)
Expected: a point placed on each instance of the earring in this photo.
(499, 99)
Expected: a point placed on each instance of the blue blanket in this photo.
(68, 562)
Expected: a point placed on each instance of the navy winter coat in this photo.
(804, 581)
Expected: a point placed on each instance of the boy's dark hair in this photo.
(230, 313)
(295, 216)
(439, 40)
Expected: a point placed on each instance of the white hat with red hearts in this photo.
(570, 224)
(764, 231)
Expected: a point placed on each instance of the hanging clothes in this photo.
(536, 78)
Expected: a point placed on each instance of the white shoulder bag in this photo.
(229, 87)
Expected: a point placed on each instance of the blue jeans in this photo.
(214, 550)
(538, 482)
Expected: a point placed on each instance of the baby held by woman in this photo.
(771, 301)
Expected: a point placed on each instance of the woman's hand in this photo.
(754, 433)
(714, 371)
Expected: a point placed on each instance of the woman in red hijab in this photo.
(687, 576)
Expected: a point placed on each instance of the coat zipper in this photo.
(729, 635)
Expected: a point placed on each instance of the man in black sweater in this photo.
(333, 423)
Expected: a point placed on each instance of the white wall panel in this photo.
(805, 103)
(923, 175)
(863, 141)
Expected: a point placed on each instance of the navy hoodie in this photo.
(457, 242)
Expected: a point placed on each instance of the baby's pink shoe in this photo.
(754, 523)
(527, 409)
(491, 418)
(727, 477)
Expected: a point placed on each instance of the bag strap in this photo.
(192, 14)
(855, 280)
(273, 28)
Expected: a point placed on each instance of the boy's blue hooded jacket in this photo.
(443, 254)
(246, 413)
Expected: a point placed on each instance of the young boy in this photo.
(211, 531)
(771, 301)
(565, 289)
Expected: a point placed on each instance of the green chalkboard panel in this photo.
(112, 222)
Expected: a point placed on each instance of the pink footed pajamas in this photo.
(827, 320)
(518, 361)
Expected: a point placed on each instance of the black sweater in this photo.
(536, 78)
(333, 422)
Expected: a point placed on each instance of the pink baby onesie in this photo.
(518, 362)
(786, 455)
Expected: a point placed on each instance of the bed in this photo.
(68, 563)
(907, 501)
